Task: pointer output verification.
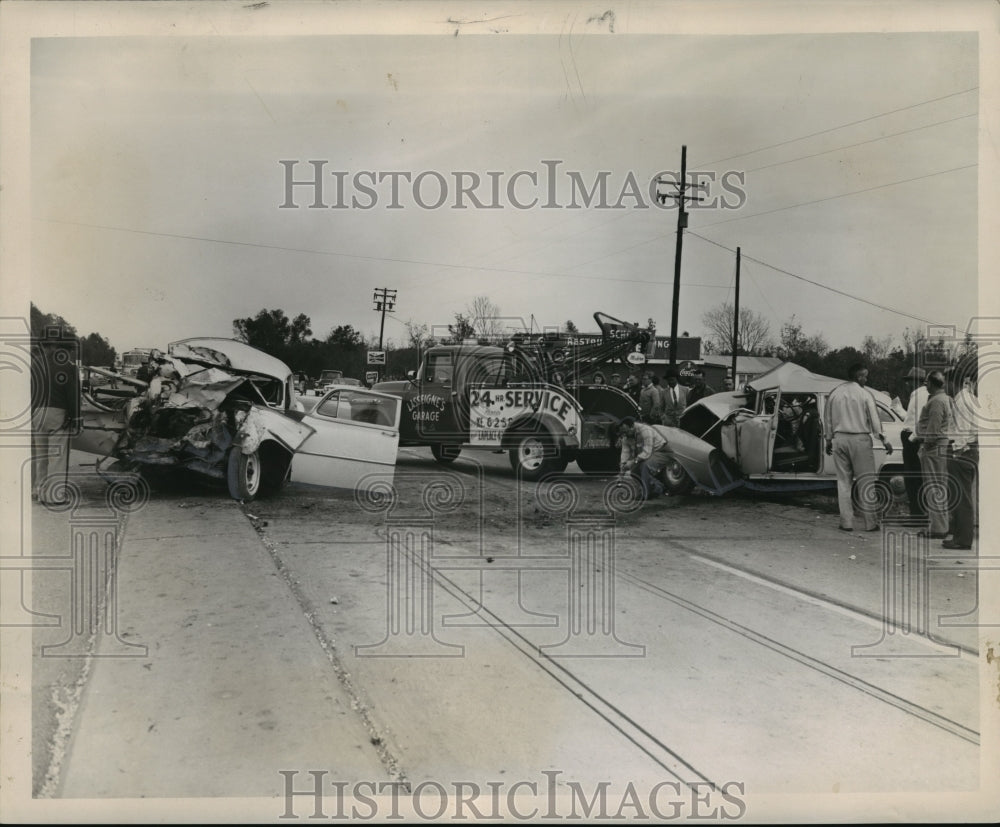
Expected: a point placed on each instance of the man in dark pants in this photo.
(912, 477)
(963, 464)
(55, 415)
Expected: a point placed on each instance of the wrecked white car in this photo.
(769, 438)
(221, 408)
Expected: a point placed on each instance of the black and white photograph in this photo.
(499, 412)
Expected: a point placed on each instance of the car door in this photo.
(432, 407)
(355, 441)
(756, 435)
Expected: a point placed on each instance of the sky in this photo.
(157, 187)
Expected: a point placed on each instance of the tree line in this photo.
(95, 350)
(345, 348)
(887, 360)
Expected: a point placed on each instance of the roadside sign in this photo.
(686, 370)
(371, 377)
(376, 357)
(635, 358)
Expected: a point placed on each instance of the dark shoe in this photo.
(953, 545)
(844, 529)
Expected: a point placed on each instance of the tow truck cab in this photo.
(484, 396)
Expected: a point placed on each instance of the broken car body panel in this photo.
(771, 436)
(211, 399)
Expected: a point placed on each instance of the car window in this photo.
(768, 402)
(273, 391)
(329, 406)
(360, 407)
(885, 415)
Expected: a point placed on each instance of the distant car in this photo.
(770, 438)
(333, 378)
(227, 410)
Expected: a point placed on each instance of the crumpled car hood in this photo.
(228, 354)
(206, 402)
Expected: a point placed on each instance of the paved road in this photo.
(478, 632)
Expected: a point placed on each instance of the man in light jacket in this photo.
(644, 454)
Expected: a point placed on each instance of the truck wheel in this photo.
(676, 480)
(445, 453)
(243, 474)
(532, 457)
(599, 462)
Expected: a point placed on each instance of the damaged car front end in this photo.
(215, 407)
(223, 409)
(768, 438)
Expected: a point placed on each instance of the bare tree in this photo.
(755, 330)
(484, 316)
(418, 335)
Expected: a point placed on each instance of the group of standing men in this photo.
(940, 451)
(662, 403)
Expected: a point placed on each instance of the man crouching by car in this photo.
(644, 454)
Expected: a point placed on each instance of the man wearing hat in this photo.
(55, 414)
(913, 478)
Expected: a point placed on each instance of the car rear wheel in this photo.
(244, 472)
(675, 479)
(445, 453)
(533, 456)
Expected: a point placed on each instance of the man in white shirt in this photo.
(912, 476)
(851, 422)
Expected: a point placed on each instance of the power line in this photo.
(661, 236)
(357, 256)
(815, 283)
(861, 143)
(841, 126)
(842, 195)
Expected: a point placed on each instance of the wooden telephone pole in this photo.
(681, 197)
(736, 316)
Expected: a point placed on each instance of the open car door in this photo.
(355, 441)
(756, 434)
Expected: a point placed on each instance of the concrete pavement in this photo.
(234, 686)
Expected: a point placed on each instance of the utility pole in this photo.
(681, 198)
(736, 316)
(384, 300)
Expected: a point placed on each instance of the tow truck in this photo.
(529, 397)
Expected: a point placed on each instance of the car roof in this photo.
(239, 355)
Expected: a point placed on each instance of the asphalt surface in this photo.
(475, 635)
